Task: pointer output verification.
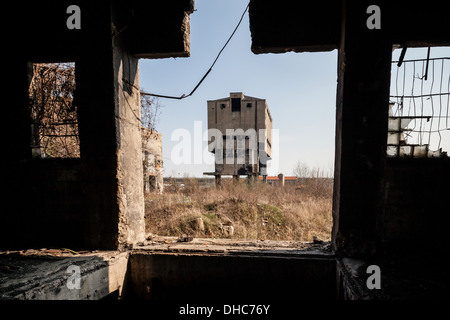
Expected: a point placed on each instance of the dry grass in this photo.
(256, 211)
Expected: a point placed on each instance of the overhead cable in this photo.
(183, 96)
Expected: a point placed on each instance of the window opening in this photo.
(53, 113)
(419, 110)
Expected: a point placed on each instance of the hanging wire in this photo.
(448, 100)
(431, 98)
(421, 104)
(183, 96)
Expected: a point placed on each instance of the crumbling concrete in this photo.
(214, 269)
(100, 195)
(378, 206)
(362, 100)
(103, 203)
(146, 271)
(37, 275)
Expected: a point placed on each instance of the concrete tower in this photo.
(240, 135)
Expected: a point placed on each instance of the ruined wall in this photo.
(96, 201)
(364, 66)
(49, 210)
(127, 100)
(43, 197)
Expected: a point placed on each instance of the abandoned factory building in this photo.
(241, 136)
(152, 157)
(391, 212)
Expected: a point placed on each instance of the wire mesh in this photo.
(419, 108)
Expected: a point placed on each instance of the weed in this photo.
(257, 211)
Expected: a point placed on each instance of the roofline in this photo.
(245, 98)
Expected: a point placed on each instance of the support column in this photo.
(252, 178)
(110, 141)
(18, 218)
(361, 131)
(281, 180)
(218, 180)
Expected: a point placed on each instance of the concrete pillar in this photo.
(19, 134)
(110, 140)
(281, 180)
(128, 135)
(16, 214)
(218, 180)
(361, 131)
(252, 178)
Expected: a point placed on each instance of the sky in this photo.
(300, 89)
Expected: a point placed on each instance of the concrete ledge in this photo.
(403, 277)
(45, 277)
(164, 244)
(170, 268)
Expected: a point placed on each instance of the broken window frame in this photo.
(418, 111)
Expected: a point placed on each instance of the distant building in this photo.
(152, 160)
(240, 135)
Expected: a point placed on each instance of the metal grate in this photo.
(419, 108)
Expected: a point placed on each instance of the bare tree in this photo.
(53, 113)
(315, 180)
(303, 171)
(150, 110)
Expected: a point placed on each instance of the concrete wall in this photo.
(106, 193)
(364, 66)
(154, 276)
(108, 115)
(38, 277)
(129, 144)
(49, 209)
(416, 216)
(362, 101)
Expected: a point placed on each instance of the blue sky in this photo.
(300, 89)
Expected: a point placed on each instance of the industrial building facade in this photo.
(240, 135)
